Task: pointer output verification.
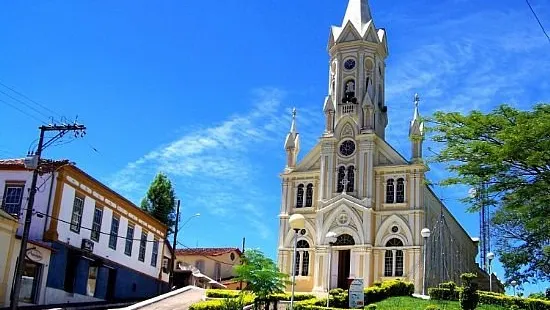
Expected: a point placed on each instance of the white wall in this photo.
(101, 248)
(40, 200)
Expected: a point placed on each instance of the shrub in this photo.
(432, 307)
(222, 293)
(371, 307)
(444, 293)
(469, 296)
(448, 285)
(388, 289)
(336, 291)
(223, 304)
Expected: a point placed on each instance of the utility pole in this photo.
(61, 130)
(241, 282)
(172, 265)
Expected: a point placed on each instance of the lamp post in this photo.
(490, 257)
(297, 222)
(514, 283)
(425, 234)
(331, 239)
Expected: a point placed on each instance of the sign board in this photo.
(34, 255)
(87, 245)
(356, 294)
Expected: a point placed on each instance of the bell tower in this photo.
(357, 51)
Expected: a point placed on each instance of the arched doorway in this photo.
(341, 265)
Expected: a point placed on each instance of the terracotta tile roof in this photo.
(19, 163)
(207, 251)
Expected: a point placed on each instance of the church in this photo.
(356, 186)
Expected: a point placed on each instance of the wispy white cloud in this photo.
(217, 168)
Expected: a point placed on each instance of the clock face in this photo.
(347, 148)
(349, 64)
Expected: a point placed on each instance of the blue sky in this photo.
(203, 90)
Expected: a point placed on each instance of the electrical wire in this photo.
(18, 109)
(33, 101)
(538, 21)
(25, 104)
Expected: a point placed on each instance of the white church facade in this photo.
(354, 184)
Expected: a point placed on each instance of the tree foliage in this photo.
(261, 274)
(160, 201)
(509, 150)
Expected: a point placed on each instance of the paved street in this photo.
(178, 302)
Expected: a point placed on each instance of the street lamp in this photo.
(188, 219)
(425, 234)
(331, 239)
(297, 222)
(514, 283)
(490, 257)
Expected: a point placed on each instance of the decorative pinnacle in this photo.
(416, 100)
(293, 126)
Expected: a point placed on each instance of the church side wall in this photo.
(450, 250)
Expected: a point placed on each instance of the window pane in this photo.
(96, 224)
(305, 263)
(300, 196)
(297, 264)
(13, 196)
(388, 263)
(341, 174)
(309, 196)
(142, 247)
(351, 179)
(76, 218)
(113, 237)
(389, 191)
(154, 255)
(400, 191)
(398, 263)
(129, 241)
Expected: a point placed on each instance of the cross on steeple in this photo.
(416, 100)
(345, 182)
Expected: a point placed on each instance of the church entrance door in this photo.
(344, 259)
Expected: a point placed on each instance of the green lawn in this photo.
(410, 303)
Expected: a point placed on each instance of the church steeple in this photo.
(292, 144)
(416, 132)
(357, 68)
(358, 13)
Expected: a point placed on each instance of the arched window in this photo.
(341, 175)
(309, 195)
(344, 239)
(400, 191)
(351, 179)
(300, 196)
(390, 191)
(393, 259)
(349, 92)
(301, 268)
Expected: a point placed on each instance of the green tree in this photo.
(509, 150)
(160, 201)
(261, 274)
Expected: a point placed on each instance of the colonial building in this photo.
(206, 267)
(356, 185)
(86, 243)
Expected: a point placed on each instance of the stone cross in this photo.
(345, 182)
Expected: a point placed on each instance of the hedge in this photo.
(491, 298)
(338, 297)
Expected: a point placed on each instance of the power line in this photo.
(33, 101)
(538, 21)
(24, 112)
(25, 104)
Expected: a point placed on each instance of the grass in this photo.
(410, 303)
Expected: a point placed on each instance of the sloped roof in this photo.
(19, 164)
(207, 251)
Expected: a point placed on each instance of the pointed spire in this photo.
(358, 12)
(292, 136)
(293, 125)
(417, 125)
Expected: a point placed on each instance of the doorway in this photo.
(344, 259)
